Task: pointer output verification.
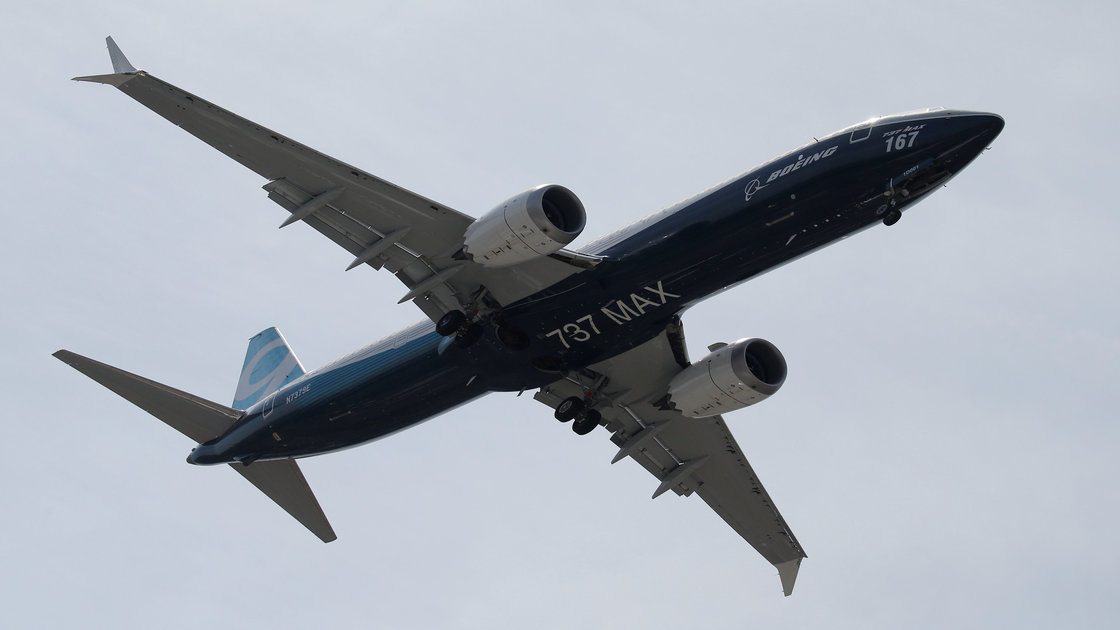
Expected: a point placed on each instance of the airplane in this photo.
(510, 308)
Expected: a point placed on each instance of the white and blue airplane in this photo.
(509, 308)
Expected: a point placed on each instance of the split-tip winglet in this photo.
(787, 572)
(120, 62)
(122, 69)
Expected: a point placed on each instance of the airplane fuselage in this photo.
(650, 272)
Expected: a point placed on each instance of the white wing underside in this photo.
(687, 455)
(380, 224)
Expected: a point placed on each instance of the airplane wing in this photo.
(380, 224)
(687, 455)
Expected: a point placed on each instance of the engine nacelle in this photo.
(734, 376)
(536, 223)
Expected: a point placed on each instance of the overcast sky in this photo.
(945, 446)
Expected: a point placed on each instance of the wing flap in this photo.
(686, 455)
(275, 156)
(358, 209)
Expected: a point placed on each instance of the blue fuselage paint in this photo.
(651, 271)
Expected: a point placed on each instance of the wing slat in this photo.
(361, 208)
(686, 455)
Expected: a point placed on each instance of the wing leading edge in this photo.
(382, 225)
(686, 454)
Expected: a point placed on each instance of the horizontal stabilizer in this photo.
(284, 483)
(194, 417)
(202, 421)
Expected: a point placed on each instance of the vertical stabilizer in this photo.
(269, 365)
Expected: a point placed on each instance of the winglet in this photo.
(123, 71)
(787, 573)
(120, 62)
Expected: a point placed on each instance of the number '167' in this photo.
(901, 141)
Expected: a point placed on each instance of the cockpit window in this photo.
(859, 134)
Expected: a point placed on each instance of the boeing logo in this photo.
(801, 162)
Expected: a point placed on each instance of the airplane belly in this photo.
(356, 401)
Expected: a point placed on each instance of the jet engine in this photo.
(535, 223)
(734, 376)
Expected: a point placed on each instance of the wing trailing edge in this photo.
(687, 456)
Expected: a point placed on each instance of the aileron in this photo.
(686, 455)
(356, 210)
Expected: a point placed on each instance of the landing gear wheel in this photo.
(892, 217)
(568, 408)
(450, 323)
(467, 336)
(587, 422)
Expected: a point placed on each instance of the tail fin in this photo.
(202, 421)
(269, 365)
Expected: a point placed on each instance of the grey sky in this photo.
(945, 446)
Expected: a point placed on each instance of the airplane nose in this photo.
(978, 126)
(965, 136)
(990, 124)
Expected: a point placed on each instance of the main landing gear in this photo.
(454, 323)
(574, 409)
